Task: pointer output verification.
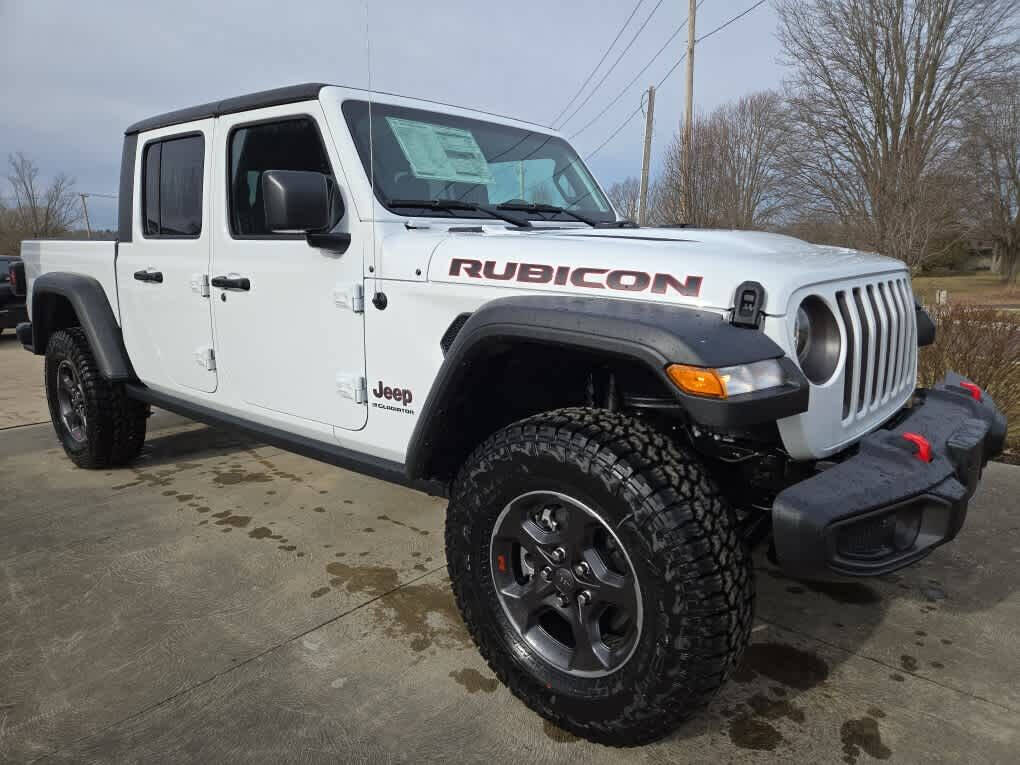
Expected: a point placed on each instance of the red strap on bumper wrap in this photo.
(923, 452)
(975, 391)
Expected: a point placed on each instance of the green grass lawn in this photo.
(980, 288)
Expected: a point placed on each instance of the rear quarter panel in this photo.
(90, 258)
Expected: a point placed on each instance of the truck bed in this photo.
(91, 258)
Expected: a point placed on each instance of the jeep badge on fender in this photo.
(617, 417)
(401, 395)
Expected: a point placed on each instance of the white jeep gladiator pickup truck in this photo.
(447, 299)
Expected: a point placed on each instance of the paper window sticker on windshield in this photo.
(440, 153)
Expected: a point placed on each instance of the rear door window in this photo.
(172, 187)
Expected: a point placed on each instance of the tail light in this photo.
(16, 274)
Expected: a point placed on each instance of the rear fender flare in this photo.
(90, 304)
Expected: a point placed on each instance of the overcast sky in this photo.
(75, 74)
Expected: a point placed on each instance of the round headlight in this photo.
(817, 340)
(802, 333)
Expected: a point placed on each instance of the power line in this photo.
(616, 132)
(14, 198)
(630, 84)
(613, 67)
(600, 63)
(739, 16)
(626, 88)
(637, 111)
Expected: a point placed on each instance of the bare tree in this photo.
(753, 136)
(876, 88)
(664, 202)
(625, 197)
(9, 239)
(734, 178)
(39, 212)
(990, 158)
(813, 226)
(696, 178)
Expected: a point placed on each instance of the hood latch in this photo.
(748, 305)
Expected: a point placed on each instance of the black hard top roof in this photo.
(291, 94)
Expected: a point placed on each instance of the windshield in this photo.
(424, 155)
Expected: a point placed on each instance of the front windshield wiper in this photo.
(450, 205)
(536, 207)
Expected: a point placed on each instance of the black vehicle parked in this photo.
(12, 292)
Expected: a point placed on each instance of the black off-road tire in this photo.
(115, 429)
(695, 573)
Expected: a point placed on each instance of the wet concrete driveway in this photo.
(225, 601)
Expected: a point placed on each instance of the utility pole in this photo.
(689, 118)
(85, 208)
(649, 123)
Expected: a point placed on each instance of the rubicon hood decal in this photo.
(624, 280)
(702, 269)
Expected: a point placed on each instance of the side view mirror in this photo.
(295, 200)
(305, 202)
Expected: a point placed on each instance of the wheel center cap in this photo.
(564, 581)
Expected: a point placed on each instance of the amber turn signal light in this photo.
(697, 381)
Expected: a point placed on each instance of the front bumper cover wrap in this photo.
(885, 507)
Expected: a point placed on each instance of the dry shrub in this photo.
(982, 344)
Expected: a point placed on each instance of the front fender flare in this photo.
(654, 335)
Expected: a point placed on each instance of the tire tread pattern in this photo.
(116, 431)
(693, 542)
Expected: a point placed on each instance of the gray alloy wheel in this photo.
(566, 583)
(71, 401)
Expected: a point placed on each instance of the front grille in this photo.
(881, 334)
